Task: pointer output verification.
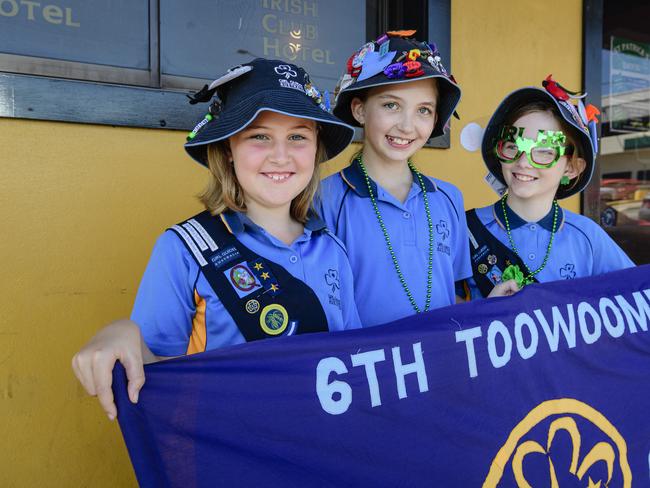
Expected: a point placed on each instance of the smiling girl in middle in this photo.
(405, 232)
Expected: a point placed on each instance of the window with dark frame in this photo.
(56, 60)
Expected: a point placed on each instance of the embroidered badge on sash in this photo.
(224, 256)
(482, 268)
(492, 259)
(478, 256)
(494, 275)
(242, 279)
(252, 306)
(249, 277)
(274, 319)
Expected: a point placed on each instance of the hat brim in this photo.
(516, 99)
(449, 94)
(334, 134)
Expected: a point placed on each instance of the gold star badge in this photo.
(274, 287)
(258, 266)
(265, 275)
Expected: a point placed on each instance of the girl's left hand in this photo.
(504, 289)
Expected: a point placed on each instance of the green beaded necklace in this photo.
(513, 271)
(387, 237)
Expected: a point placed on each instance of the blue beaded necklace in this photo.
(402, 280)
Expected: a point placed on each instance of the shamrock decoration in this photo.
(513, 272)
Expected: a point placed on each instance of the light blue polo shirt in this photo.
(346, 207)
(580, 247)
(174, 297)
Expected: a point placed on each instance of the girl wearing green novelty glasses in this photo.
(541, 147)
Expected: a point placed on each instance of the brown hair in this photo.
(363, 96)
(223, 191)
(573, 148)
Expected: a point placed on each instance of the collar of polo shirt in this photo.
(516, 221)
(236, 222)
(353, 177)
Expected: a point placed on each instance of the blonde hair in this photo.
(223, 191)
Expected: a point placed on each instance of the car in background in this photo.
(612, 189)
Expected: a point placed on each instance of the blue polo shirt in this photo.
(580, 247)
(179, 313)
(345, 205)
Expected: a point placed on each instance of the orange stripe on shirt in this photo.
(198, 339)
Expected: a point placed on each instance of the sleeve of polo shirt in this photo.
(462, 264)
(164, 305)
(608, 256)
(325, 202)
(350, 313)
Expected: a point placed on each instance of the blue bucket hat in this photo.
(396, 58)
(263, 84)
(571, 108)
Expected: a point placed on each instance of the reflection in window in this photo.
(625, 146)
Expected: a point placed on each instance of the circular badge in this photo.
(482, 268)
(357, 61)
(492, 259)
(241, 278)
(252, 306)
(274, 319)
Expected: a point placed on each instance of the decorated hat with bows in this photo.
(248, 89)
(396, 58)
(570, 106)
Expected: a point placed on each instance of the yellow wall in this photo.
(81, 206)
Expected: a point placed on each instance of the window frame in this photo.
(48, 89)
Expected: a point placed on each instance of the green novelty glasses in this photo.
(544, 152)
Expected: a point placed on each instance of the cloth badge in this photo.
(574, 114)
(242, 279)
(352, 70)
(252, 306)
(224, 256)
(357, 59)
(374, 63)
(494, 275)
(274, 319)
(231, 74)
(344, 82)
